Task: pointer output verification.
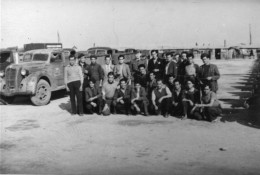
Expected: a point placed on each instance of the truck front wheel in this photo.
(43, 94)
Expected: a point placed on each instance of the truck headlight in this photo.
(24, 72)
(2, 73)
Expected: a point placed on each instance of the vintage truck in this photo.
(8, 56)
(101, 52)
(39, 74)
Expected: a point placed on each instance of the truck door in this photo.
(57, 68)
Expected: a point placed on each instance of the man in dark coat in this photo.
(170, 68)
(122, 98)
(142, 77)
(156, 64)
(209, 73)
(96, 72)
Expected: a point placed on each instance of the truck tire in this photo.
(7, 100)
(43, 93)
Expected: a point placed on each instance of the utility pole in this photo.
(250, 35)
(225, 43)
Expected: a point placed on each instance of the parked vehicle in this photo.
(8, 56)
(40, 73)
(101, 52)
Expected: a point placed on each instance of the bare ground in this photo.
(48, 140)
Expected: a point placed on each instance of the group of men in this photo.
(166, 86)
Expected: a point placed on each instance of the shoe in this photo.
(166, 115)
(81, 114)
(146, 114)
(184, 117)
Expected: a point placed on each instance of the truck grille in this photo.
(13, 78)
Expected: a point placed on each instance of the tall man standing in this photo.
(171, 67)
(95, 72)
(209, 73)
(122, 70)
(107, 67)
(73, 79)
(156, 64)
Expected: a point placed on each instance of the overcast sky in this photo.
(125, 23)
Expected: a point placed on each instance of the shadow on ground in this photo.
(249, 94)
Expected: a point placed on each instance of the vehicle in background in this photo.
(40, 73)
(33, 46)
(101, 52)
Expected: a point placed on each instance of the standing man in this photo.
(95, 72)
(136, 62)
(209, 73)
(84, 66)
(192, 70)
(122, 98)
(171, 67)
(122, 70)
(107, 67)
(108, 91)
(181, 67)
(177, 97)
(93, 98)
(73, 79)
(156, 64)
(161, 99)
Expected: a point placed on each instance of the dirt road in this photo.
(48, 139)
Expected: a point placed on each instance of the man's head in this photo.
(141, 68)
(190, 84)
(107, 59)
(154, 53)
(184, 55)
(177, 84)
(177, 57)
(111, 77)
(159, 83)
(206, 88)
(137, 85)
(72, 60)
(122, 83)
(93, 59)
(169, 57)
(205, 58)
(152, 75)
(82, 58)
(138, 54)
(121, 59)
(92, 83)
(171, 78)
(190, 58)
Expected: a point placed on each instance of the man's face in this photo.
(206, 90)
(82, 59)
(142, 70)
(159, 84)
(177, 57)
(123, 84)
(184, 56)
(110, 78)
(190, 60)
(93, 60)
(171, 79)
(189, 84)
(72, 61)
(152, 76)
(138, 55)
(205, 60)
(154, 54)
(177, 85)
(169, 58)
(137, 86)
(107, 60)
(121, 60)
(91, 84)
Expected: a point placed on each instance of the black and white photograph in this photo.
(130, 87)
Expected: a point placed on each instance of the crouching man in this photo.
(122, 98)
(139, 100)
(161, 99)
(93, 98)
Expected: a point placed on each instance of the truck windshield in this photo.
(6, 58)
(40, 57)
